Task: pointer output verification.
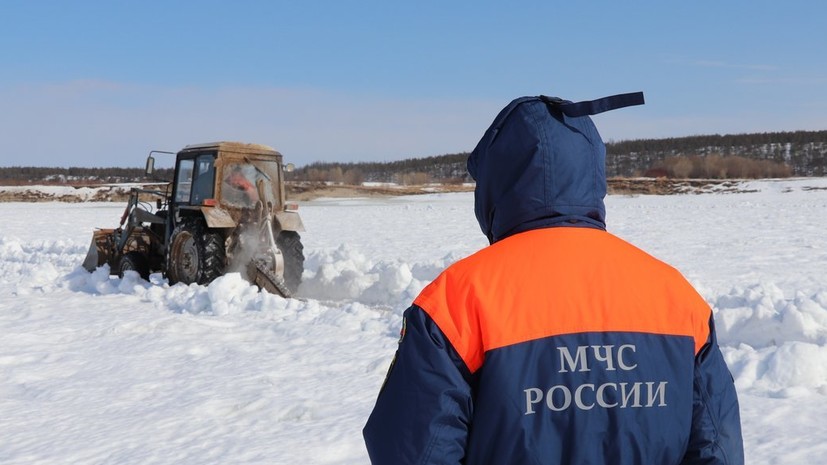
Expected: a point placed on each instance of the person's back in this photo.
(582, 347)
(560, 343)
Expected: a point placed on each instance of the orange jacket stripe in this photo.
(591, 282)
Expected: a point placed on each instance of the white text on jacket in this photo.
(638, 394)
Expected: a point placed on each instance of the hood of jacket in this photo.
(536, 167)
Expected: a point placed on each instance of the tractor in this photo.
(224, 211)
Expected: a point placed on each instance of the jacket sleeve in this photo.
(425, 406)
(716, 423)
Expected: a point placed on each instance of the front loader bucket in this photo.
(98, 251)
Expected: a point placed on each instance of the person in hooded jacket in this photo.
(559, 343)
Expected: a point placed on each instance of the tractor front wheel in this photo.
(196, 254)
(134, 261)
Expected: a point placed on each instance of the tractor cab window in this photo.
(202, 185)
(183, 187)
(195, 180)
(238, 188)
(240, 184)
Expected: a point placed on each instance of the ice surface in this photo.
(95, 369)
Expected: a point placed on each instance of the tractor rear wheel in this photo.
(134, 261)
(196, 254)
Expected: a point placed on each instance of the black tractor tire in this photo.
(196, 254)
(134, 261)
(292, 251)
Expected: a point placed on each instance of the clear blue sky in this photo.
(100, 83)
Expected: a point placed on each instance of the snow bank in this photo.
(774, 345)
(57, 192)
(760, 316)
(347, 274)
(64, 193)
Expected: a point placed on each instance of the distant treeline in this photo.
(759, 155)
(20, 175)
(803, 152)
(764, 155)
(448, 168)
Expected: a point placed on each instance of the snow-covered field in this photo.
(98, 370)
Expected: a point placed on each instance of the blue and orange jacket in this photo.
(558, 344)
